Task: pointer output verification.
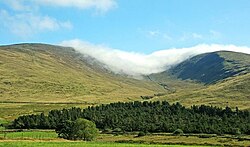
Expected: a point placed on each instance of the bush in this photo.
(178, 132)
(140, 134)
(81, 129)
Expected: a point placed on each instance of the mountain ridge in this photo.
(209, 68)
(31, 70)
(39, 77)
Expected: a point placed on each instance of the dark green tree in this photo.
(85, 129)
(65, 130)
(144, 116)
(81, 129)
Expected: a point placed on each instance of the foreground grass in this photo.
(165, 138)
(30, 135)
(79, 144)
(49, 138)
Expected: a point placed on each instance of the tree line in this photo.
(147, 117)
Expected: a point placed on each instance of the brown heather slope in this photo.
(45, 73)
(52, 74)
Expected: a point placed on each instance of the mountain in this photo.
(232, 92)
(218, 78)
(38, 77)
(211, 67)
(47, 73)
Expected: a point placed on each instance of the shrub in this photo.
(140, 134)
(80, 129)
(178, 132)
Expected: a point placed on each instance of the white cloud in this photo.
(100, 5)
(27, 24)
(19, 5)
(137, 64)
(25, 20)
(27, 5)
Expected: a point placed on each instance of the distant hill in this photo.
(233, 92)
(211, 67)
(47, 73)
(218, 78)
(38, 77)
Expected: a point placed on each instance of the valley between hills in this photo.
(45, 86)
(38, 77)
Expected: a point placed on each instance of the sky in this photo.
(129, 28)
(131, 25)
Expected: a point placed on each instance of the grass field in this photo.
(30, 135)
(49, 138)
(80, 144)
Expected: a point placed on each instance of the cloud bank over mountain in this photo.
(137, 64)
(25, 18)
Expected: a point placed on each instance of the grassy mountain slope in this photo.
(172, 84)
(233, 92)
(45, 73)
(212, 67)
(224, 80)
(38, 77)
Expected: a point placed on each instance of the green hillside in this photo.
(212, 67)
(232, 92)
(223, 80)
(36, 72)
(43, 74)
(36, 78)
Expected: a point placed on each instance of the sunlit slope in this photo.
(233, 92)
(45, 73)
(224, 79)
(212, 67)
(172, 84)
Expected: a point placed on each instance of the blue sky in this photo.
(142, 26)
